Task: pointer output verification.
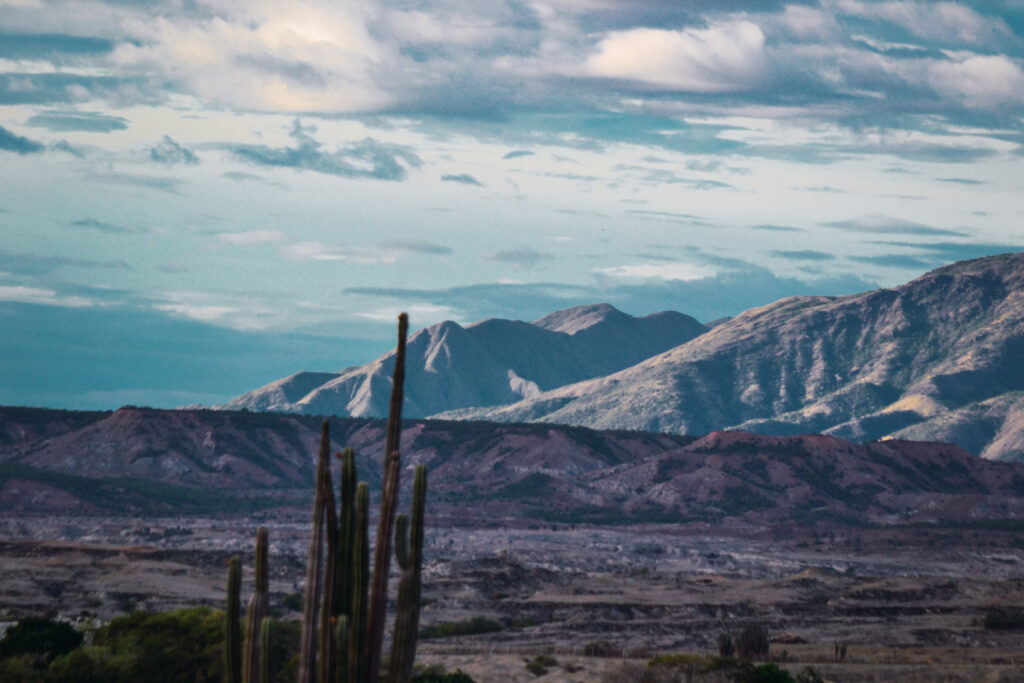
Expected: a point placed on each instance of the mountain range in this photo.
(936, 359)
(143, 461)
(489, 363)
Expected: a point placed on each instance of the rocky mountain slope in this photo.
(492, 362)
(936, 359)
(151, 461)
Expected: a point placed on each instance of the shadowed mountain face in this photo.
(493, 362)
(939, 358)
(149, 461)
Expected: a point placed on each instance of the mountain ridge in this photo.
(914, 361)
(166, 461)
(490, 362)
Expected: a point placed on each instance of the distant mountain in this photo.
(493, 362)
(940, 358)
(143, 461)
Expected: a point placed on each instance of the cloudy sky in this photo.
(200, 196)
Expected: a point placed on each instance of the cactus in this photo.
(357, 659)
(265, 635)
(258, 607)
(232, 626)
(308, 644)
(388, 505)
(343, 618)
(409, 554)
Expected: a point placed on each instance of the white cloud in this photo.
(979, 81)
(807, 22)
(941, 20)
(362, 256)
(657, 271)
(202, 313)
(423, 314)
(719, 58)
(296, 57)
(251, 237)
(45, 297)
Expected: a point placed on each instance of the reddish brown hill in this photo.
(152, 460)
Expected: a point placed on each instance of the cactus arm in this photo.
(388, 505)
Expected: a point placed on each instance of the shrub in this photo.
(42, 638)
(538, 666)
(809, 674)
(726, 648)
(768, 673)
(1004, 619)
(469, 627)
(436, 673)
(184, 645)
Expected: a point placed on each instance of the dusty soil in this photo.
(910, 610)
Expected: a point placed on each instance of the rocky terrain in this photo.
(904, 601)
(492, 362)
(561, 536)
(937, 359)
(205, 461)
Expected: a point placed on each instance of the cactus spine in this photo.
(232, 624)
(258, 607)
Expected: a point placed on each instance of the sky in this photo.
(200, 196)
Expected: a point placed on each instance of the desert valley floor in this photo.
(908, 603)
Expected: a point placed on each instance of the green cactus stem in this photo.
(410, 558)
(388, 506)
(358, 640)
(327, 646)
(266, 675)
(308, 644)
(258, 607)
(232, 624)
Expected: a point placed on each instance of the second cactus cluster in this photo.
(339, 619)
(345, 606)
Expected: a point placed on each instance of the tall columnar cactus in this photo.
(409, 554)
(266, 675)
(388, 507)
(360, 568)
(259, 606)
(232, 624)
(308, 644)
(343, 618)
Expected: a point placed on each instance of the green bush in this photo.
(809, 674)
(469, 627)
(43, 639)
(184, 645)
(437, 674)
(1004, 620)
(768, 673)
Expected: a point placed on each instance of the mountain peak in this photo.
(572, 320)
